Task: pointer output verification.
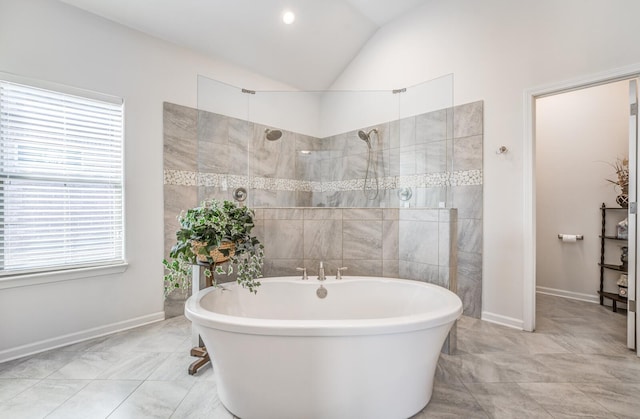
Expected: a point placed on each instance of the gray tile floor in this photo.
(576, 364)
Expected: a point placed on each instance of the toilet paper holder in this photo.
(578, 236)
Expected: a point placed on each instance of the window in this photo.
(61, 180)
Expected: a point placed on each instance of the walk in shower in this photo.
(383, 181)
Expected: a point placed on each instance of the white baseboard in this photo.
(519, 324)
(569, 294)
(71, 338)
(502, 320)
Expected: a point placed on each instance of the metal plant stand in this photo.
(199, 349)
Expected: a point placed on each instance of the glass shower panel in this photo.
(428, 96)
(357, 128)
(293, 111)
(330, 148)
(223, 133)
(221, 98)
(425, 127)
(350, 111)
(320, 160)
(284, 149)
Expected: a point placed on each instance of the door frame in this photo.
(529, 166)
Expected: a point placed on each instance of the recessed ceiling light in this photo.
(288, 17)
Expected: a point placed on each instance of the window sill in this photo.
(59, 276)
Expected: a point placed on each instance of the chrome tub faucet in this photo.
(321, 276)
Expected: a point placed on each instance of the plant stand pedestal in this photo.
(201, 352)
(199, 349)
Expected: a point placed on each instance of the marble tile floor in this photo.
(575, 365)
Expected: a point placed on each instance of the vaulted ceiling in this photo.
(308, 54)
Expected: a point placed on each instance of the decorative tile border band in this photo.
(430, 180)
(425, 180)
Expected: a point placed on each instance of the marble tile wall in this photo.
(412, 243)
(429, 153)
(468, 199)
(427, 248)
(437, 155)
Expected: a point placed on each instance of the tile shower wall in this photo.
(365, 240)
(437, 155)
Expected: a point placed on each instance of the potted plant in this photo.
(621, 167)
(211, 234)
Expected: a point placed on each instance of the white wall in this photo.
(497, 49)
(49, 41)
(323, 114)
(578, 135)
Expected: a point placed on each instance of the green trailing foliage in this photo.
(213, 224)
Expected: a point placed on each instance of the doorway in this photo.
(581, 136)
(529, 161)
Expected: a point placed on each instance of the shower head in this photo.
(272, 134)
(366, 136)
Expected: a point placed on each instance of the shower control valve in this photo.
(304, 273)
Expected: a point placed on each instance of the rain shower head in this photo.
(272, 134)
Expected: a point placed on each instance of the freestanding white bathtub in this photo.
(368, 349)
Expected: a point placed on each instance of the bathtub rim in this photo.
(347, 327)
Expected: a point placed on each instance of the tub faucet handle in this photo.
(304, 273)
(339, 272)
(321, 276)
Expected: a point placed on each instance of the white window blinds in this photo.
(61, 180)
